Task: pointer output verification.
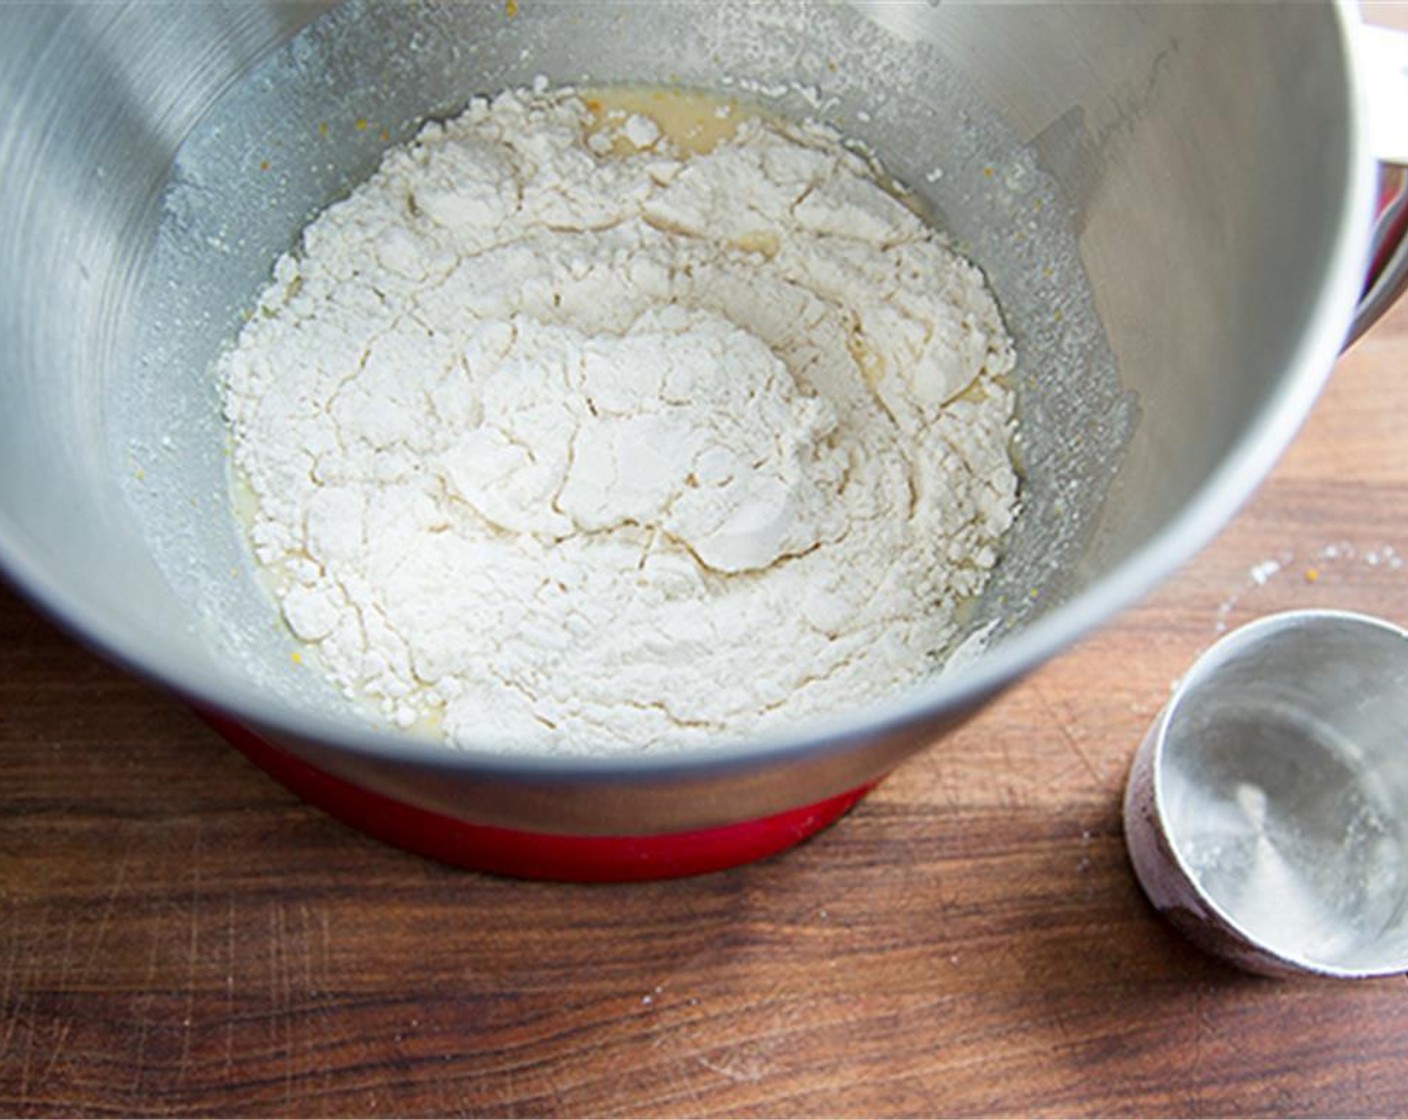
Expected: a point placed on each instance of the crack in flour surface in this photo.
(567, 436)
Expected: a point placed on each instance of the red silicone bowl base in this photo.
(536, 855)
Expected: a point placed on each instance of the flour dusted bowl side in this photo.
(1140, 278)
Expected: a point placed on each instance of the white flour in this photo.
(565, 438)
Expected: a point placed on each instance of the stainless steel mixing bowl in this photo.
(1173, 202)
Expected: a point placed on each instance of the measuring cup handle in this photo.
(1382, 57)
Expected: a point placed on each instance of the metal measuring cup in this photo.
(1266, 812)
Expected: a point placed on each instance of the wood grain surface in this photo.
(178, 935)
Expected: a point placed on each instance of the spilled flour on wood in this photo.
(1307, 565)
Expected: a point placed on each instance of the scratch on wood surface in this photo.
(119, 883)
(11, 972)
(277, 1024)
(1008, 771)
(305, 940)
(192, 959)
(739, 1065)
(1195, 1061)
(60, 1039)
(684, 1086)
(316, 1018)
(66, 957)
(22, 1043)
(330, 1021)
(29, 1047)
(144, 1019)
(1067, 735)
(229, 983)
(280, 988)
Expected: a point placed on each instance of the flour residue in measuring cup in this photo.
(623, 420)
(1295, 847)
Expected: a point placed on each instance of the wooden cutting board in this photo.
(180, 935)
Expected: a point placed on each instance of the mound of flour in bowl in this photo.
(565, 437)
